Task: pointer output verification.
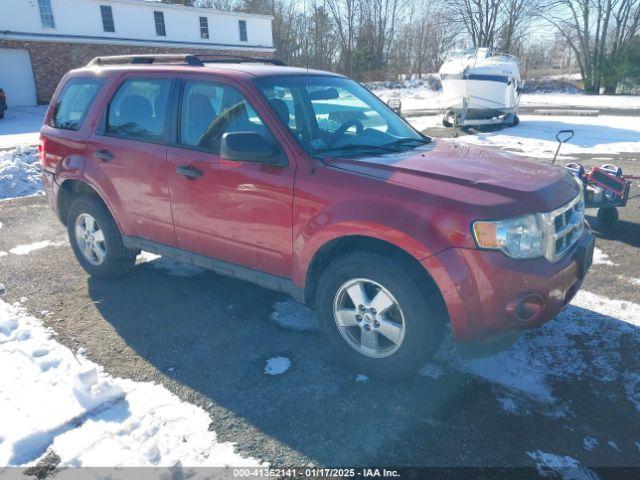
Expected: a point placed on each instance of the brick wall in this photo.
(51, 60)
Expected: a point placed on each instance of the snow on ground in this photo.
(21, 125)
(601, 258)
(292, 315)
(431, 370)
(559, 466)
(424, 98)
(277, 365)
(535, 136)
(55, 400)
(19, 172)
(30, 247)
(562, 349)
(361, 378)
(169, 266)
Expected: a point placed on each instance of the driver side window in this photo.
(210, 110)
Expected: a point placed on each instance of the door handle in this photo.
(104, 155)
(189, 171)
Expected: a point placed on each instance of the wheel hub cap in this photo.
(90, 239)
(369, 318)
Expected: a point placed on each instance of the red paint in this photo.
(275, 219)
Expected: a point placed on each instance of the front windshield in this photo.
(335, 116)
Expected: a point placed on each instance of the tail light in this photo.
(41, 151)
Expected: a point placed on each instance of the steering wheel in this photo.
(346, 126)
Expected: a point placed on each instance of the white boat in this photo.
(481, 86)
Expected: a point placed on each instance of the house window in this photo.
(159, 18)
(107, 18)
(242, 25)
(46, 14)
(204, 27)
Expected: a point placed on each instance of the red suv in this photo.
(306, 183)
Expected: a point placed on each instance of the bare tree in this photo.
(598, 31)
(494, 23)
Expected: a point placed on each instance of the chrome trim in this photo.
(571, 227)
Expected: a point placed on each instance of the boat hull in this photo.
(486, 97)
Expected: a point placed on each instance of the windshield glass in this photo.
(334, 116)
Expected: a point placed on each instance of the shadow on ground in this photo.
(210, 334)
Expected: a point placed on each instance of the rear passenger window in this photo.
(209, 110)
(138, 109)
(73, 103)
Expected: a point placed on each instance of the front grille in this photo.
(564, 228)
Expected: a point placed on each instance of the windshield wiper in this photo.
(350, 147)
(407, 140)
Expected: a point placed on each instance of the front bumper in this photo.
(487, 293)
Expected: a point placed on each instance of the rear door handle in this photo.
(104, 155)
(189, 171)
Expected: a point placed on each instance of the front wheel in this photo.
(377, 316)
(96, 240)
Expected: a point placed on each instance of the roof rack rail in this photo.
(230, 58)
(185, 58)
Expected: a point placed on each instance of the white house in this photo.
(42, 39)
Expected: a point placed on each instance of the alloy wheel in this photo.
(369, 318)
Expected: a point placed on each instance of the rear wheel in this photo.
(376, 315)
(96, 240)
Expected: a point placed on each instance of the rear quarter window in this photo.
(73, 103)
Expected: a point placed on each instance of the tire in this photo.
(117, 260)
(445, 120)
(607, 216)
(515, 121)
(423, 327)
(1, 114)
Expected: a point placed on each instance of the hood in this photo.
(501, 184)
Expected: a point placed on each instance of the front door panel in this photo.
(239, 212)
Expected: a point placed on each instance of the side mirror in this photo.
(251, 147)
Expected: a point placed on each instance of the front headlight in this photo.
(519, 237)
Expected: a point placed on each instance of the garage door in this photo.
(16, 77)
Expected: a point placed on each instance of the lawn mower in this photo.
(605, 187)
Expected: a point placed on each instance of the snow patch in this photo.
(277, 365)
(563, 348)
(535, 136)
(31, 247)
(601, 258)
(295, 316)
(361, 378)
(91, 418)
(20, 172)
(508, 404)
(431, 370)
(169, 266)
(565, 467)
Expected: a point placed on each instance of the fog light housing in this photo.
(527, 308)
